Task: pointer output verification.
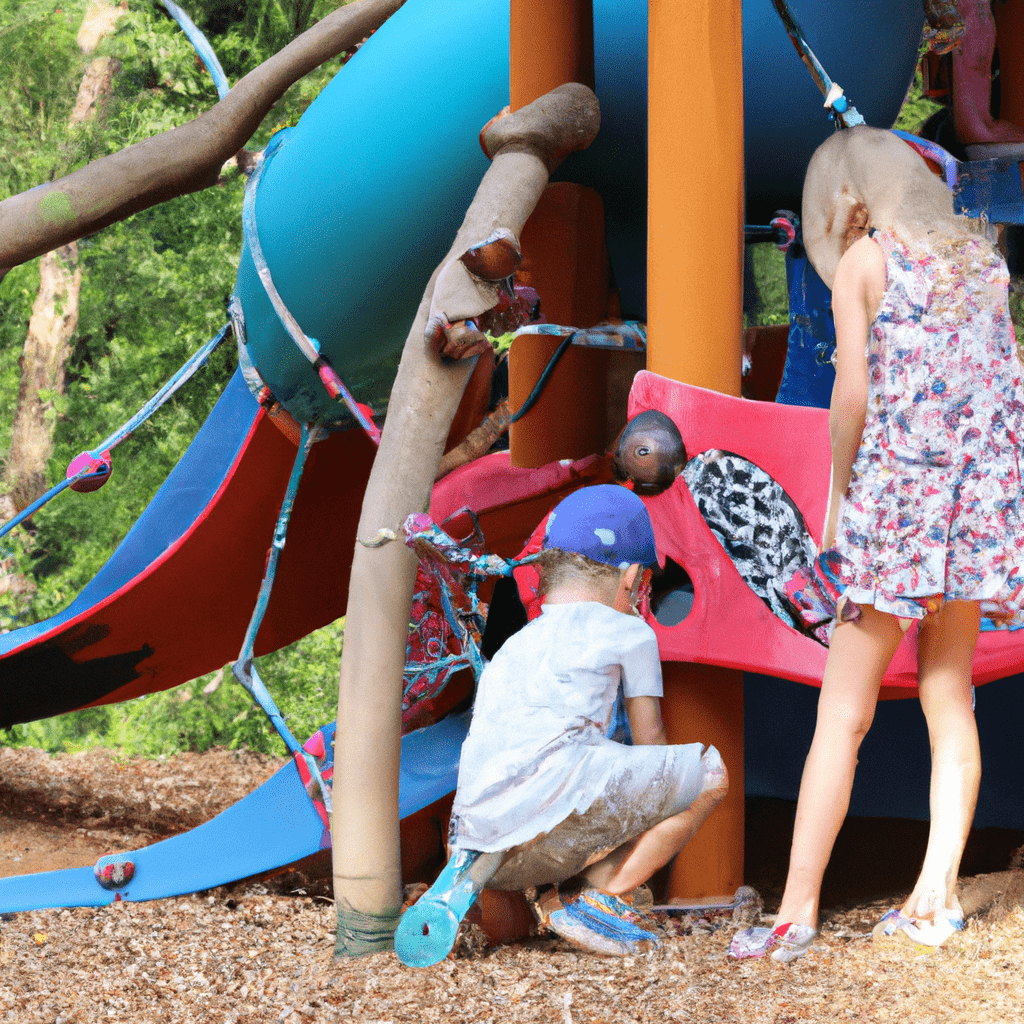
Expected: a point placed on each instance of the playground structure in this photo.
(120, 638)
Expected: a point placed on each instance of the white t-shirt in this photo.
(537, 748)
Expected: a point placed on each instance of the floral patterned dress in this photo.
(934, 508)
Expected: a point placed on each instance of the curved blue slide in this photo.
(275, 825)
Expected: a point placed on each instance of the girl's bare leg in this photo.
(858, 656)
(945, 652)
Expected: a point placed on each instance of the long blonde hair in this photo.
(874, 176)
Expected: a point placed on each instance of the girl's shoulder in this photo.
(862, 271)
(868, 253)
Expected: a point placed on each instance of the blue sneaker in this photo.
(597, 922)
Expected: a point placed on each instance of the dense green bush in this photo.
(212, 710)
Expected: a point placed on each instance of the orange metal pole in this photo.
(552, 42)
(694, 323)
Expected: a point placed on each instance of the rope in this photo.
(627, 335)
(309, 347)
(449, 574)
(182, 376)
(844, 112)
(244, 669)
(202, 47)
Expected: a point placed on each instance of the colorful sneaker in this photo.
(604, 937)
(615, 915)
(895, 925)
(785, 943)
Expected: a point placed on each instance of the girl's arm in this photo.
(644, 714)
(856, 296)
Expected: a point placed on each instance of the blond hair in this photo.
(872, 177)
(560, 568)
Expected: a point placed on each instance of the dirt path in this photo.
(252, 954)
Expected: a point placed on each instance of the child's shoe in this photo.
(597, 922)
(785, 943)
(895, 925)
(622, 916)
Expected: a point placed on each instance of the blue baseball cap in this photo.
(605, 523)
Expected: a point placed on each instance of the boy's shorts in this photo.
(640, 800)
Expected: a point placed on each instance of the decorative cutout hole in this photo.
(672, 594)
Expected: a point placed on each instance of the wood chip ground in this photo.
(255, 953)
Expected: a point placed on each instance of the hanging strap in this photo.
(844, 112)
(88, 470)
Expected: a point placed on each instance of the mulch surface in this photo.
(262, 951)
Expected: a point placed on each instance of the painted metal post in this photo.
(552, 42)
(694, 318)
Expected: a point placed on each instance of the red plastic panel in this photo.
(729, 625)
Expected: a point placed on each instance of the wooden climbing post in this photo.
(694, 322)
(524, 149)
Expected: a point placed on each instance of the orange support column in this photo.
(564, 260)
(694, 322)
(551, 43)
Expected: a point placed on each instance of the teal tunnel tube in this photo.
(362, 198)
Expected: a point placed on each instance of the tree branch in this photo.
(183, 160)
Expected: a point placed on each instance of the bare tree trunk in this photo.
(53, 322)
(525, 147)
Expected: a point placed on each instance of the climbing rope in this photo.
(96, 465)
(244, 668)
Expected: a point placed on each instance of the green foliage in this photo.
(154, 287)
(42, 70)
(1017, 314)
(153, 290)
(916, 108)
(770, 277)
(302, 678)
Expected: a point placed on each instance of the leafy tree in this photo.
(154, 289)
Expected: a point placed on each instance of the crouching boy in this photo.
(539, 779)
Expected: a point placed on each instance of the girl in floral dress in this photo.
(925, 511)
